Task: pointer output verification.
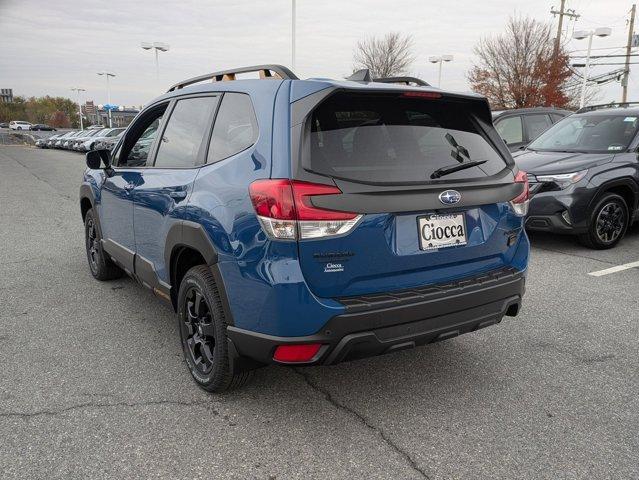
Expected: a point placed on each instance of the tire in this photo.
(202, 327)
(19, 128)
(608, 223)
(101, 266)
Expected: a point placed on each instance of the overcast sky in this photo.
(47, 47)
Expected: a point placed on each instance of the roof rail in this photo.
(404, 80)
(590, 108)
(266, 71)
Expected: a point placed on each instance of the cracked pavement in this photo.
(93, 384)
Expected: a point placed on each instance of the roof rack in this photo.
(590, 108)
(403, 80)
(266, 71)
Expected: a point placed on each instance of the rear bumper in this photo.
(383, 323)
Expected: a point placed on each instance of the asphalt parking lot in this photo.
(93, 383)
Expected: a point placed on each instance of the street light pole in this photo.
(107, 74)
(581, 35)
(78, 90)
(441, 59)
(158, 47)
(584, 81)
(293, 35)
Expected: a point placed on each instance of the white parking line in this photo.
(618, 268)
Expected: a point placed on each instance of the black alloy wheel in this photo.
(101, 266)
(93, 253)
(202, 324)
(198, 331)
(608, 222)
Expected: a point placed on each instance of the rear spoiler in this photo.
(403, 81)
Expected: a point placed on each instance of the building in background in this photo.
(6, 95)
(98, 116)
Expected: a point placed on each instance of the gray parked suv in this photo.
(520, 126)
(584, 175)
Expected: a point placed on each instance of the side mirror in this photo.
(95, 159)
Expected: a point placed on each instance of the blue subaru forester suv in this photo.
(308, 222)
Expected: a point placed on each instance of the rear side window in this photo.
(182, 141)
(235, 127)
(386, 139)
(510, 129)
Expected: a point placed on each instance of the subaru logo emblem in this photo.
(450, 197)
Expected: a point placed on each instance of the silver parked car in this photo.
(92, 142)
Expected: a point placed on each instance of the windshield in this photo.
(114, 132)
(389, 139)
(589, 134)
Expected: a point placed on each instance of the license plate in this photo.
(440, 231)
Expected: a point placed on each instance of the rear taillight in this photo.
(285, 211)
(519, 204)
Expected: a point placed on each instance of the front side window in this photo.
(536, 125)
(135, 149)
(182, 141)
(397, 138)
(235, 127)
(510, 130)
(589, 133)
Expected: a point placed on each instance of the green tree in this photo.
(57, 111)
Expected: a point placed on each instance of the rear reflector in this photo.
(519, 204)
(296, 353)
(285, 210)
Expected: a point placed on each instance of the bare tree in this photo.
(387, 56)
(519, 69)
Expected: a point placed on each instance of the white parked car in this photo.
(19, 125)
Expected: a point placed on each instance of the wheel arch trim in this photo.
(192, 235)
(620, 182)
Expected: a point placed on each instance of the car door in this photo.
(160, 196)
(116, 204)
(510, 129)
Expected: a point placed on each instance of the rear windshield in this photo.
(589, 134)
(394, 139)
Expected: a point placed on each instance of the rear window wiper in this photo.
(440, 172)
